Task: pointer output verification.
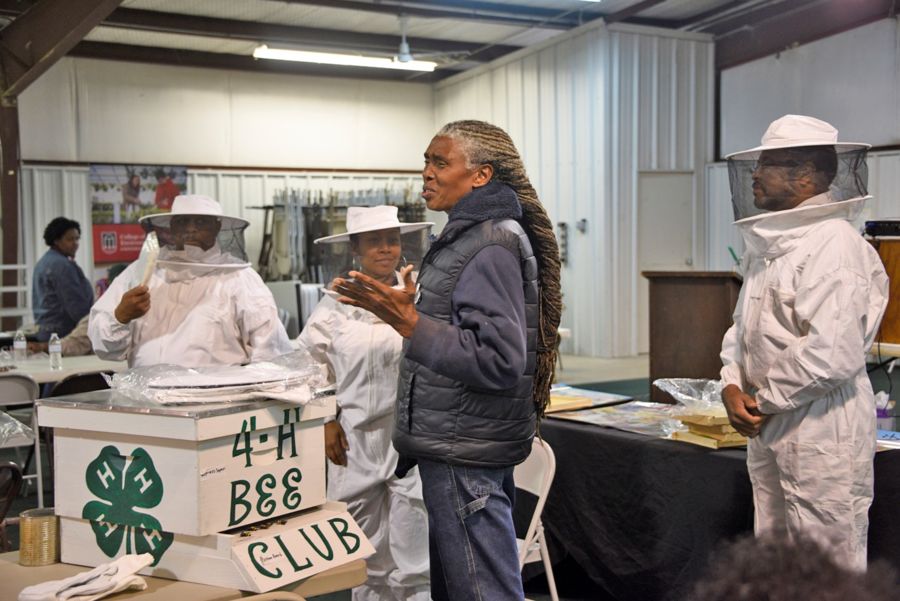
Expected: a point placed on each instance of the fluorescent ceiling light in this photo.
(328, 58)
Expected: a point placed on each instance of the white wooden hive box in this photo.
(194, 470)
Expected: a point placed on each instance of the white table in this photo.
(38, 367)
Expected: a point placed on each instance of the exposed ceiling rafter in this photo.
(782, 25)
(631, 11)
(487, 12)
(160, 22)
(42, 35)
(698, 21)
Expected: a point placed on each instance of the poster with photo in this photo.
(120, 196)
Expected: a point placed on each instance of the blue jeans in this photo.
(472, 541)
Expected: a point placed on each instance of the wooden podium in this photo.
(889, 251)
(690, 311)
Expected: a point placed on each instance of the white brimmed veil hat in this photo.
(335, 252)
(370, 219)
(802, 134)
(229, 247)
(195, 204)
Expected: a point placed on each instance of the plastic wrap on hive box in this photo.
(194, 470)
(305, 544)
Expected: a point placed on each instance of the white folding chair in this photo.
(535, 475)
(284, 316)
(17, 390)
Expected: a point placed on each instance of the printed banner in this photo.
(120, 196)
(114, 243)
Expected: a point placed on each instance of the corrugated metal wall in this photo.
(51, 191)
(588, 112)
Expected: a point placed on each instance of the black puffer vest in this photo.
(445, 420)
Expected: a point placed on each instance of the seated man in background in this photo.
(61, 293)
(202, 305)
(794, 362)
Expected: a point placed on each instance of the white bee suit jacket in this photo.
(813, 296)
(216, 313)
(363, 354)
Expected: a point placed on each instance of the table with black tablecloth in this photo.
(641, 515)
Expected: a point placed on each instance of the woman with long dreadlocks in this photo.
(480, 329)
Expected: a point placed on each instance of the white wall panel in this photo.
(720, 219)
(48, 111)
(588, 111)
(851, 80)
(884, 185)
(86, 110)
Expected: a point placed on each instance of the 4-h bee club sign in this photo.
(221, 486)
(120, 196)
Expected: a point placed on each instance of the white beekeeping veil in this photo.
(795, 147)
(341, 253)
(196, 232)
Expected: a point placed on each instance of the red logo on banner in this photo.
(117, 243)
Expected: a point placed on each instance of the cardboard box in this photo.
(287, 550)
(195, 470)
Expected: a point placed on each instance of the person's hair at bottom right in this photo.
(778, 568)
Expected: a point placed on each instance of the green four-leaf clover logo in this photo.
(125, 483)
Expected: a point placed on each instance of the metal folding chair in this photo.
(535, 475)
(17, 395)
(10, 483)
(72, 384)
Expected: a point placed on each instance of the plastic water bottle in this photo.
(20, 347)
(54, 346)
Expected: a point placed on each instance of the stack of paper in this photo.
(170, 384)
(888, 439)
(568, 398)
(709, 430)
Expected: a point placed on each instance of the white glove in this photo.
(93, 584)
(46, 591)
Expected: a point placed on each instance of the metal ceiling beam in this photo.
(778, 27)
(754, 15)
(631, 11)
(690, 23)
(160, 22)
(237, 62)
(487, 12)
(43, 34)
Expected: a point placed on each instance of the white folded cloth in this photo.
(292, 391)
(105, 579)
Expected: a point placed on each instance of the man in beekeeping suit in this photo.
(794, 370)
(202, 305)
